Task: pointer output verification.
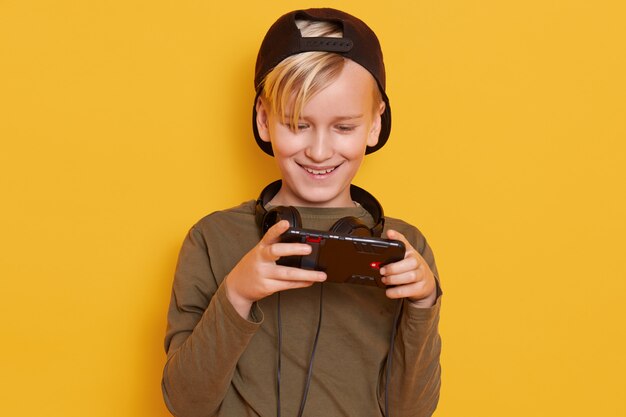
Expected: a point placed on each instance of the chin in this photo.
(325, 198)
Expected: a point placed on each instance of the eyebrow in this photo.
(356, 116)
(349, 117)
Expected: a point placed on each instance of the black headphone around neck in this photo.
(345, 226)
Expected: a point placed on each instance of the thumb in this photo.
(273, 233)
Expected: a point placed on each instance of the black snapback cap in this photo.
(359, 43)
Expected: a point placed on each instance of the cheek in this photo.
(284, 147)
(352, 147)
(283, 141)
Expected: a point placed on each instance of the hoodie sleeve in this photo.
(205, 336)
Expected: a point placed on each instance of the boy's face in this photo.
(319, 161)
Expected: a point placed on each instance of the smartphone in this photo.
(345, 259)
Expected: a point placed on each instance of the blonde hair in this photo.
(299, 77)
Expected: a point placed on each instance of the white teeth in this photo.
(319, 171)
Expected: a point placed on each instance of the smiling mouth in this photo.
(323, 171)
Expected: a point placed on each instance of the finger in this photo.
(408, 277)
(403, 291)
(410, 250)
(286, 278)
(278, 250)
(280, 285)
(414, 291)
(287, 273)
(393, 234)
(405, 265)
(273, 233)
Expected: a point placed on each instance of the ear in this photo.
(262, 120)
(372, 138)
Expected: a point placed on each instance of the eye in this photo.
(346, 128)
(296, 128)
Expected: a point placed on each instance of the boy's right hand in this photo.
(257, 275)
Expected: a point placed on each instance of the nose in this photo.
(319, 148)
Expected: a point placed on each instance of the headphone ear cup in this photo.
(279, 213)
(351, 226)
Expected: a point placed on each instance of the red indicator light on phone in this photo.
(375, 265)
(313, 239)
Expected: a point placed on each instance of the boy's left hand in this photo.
(411, 277)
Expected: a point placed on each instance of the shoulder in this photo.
(225, 235)
(243, 211)
(235, 220)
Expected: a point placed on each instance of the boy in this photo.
(240, 344)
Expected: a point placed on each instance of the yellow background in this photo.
(124, 122)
